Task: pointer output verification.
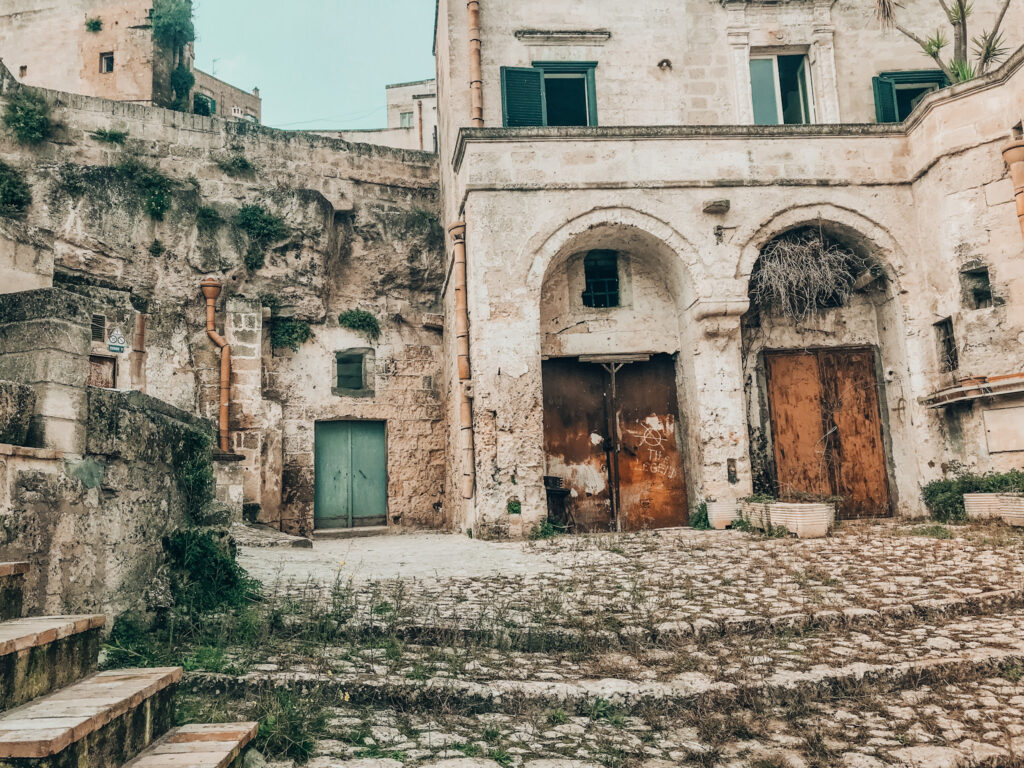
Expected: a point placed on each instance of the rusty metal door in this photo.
(575, 440)
(623, 472)
(102, 371)
(827, 428)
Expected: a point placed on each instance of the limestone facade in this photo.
(929, 199)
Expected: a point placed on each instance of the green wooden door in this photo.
(351, 474)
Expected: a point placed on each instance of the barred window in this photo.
(601, 270)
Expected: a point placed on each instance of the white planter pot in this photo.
(983, 506)
(807, 521)
(721, 514)
(1013, 509)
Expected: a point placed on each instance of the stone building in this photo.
(613, 175)
(412, 119)
(106, 49)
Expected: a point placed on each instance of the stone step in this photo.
(101, 721)
(198, 746)
(12, 585)
(42, 654)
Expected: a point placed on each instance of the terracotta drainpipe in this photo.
(458, 233)
(211, 290)
(1013, 154)
(419, 105)
(476, 79)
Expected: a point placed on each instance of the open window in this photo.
(897, 93)
(106, 63)
(601, 272)
(354, 373)
(204, 105)
(976, 286)
(949, 355)
(549, 93)
(780, 86)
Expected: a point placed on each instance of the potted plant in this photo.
(808, 516)
(722, 513)
(983, 506)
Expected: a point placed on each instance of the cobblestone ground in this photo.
(879, 646)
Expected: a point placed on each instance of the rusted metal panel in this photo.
(794, 404)
(857, 453)
(652, 485)
(827, 428)
(576, 439)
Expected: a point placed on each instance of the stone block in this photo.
(17, 406)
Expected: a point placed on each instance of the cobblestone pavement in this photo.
(876, 647)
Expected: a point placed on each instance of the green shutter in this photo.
(522, 96)
(762, 92)
(885, 100)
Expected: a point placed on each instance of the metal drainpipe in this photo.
(476, 80)
(211, 290)
(458, 234)
(419, 104)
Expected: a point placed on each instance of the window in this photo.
(99, 328)
(780, 87)
(549, 93)
(23, 71)
(354, 373)
(897, 93)
(601, 272)
(405, 119)
(205, 105)
(949, 358)
(107, 63)
(976, 286)
(237, 112)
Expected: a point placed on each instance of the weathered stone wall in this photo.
(92, 525)
(17, 406)
(362, 232)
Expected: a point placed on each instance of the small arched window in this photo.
(601, 271)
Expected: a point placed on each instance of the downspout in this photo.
(476, 79)
(211, 290)
(458, 233)
(1013, 154)
(419, 104)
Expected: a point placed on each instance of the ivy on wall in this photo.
(15, 194)
(27, 115)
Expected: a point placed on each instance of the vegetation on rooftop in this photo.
(237, 165)
(105, 136)
(262, 228)
(361, 321)
(945, 498)
(94, 25)
(152, 186)
(289, 333)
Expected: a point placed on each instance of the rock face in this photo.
(317, 228)
(17, 404)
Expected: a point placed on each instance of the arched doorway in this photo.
(612, 381)
(817, 342)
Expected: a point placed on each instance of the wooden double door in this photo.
(611, 434)
(826, 426)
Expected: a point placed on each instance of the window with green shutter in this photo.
(897, 93)
(552, 93)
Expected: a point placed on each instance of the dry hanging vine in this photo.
(804, 271)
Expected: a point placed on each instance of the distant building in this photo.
(105, 50)
(215, 97)
(412, 119)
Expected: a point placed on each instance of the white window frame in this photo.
(811, 117)
(407, 119)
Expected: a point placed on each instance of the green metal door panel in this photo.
(369, 474)
(351, 474)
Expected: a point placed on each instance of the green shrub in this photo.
(699, 518)
(420, 224)
(182, 81)
(110, 137)
(27, 114)
(172, 23)
(514, 507)
(204, 574)
(361, 321)
(156, 249)
(208, 219)
(545, 530)
(152, 186)
(271, 302)
(934, 531)
(15, 194)
(237, 165)
(290, 725)
(192, 458)
(94, 25)
(945, 498)
(262, 229)
(201, 105)
(289, 332)
(131, 644)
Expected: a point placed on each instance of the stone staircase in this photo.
(56, 711)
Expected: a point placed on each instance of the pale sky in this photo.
(318, 63)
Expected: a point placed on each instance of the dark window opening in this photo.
(601, 271)
(354, 373)
(204, 105)
(793, 90)
(976, 287)
(22, 71)
(350, 371)
(106, 63)
(907, 97)
(566, 96)
(99, 328)
(898, 93)
(780, 87)
(949, 358)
